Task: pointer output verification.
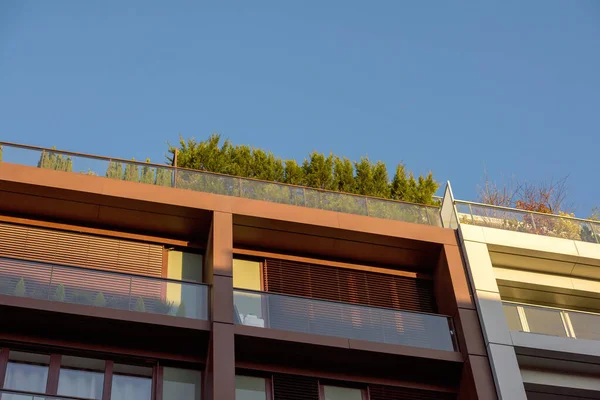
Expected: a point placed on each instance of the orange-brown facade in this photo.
(285, 239)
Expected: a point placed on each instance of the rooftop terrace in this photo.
(208, 182)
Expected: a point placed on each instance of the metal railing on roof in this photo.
(560, 226)
(209, 182)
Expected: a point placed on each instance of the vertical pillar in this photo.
(454, 298)
(219, 377)
(501, 353)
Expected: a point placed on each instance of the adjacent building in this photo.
(536, 281)
(123, 280)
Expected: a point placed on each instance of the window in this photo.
(249, 306)
(26, 371)
(81, 377)
(250, 388)
(181, 384)
(341, 393)
(187, 267)
(131, 382)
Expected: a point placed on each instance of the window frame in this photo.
(54, 367)
(364, 391)
(268, 377)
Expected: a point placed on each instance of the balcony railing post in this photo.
(471, 212)
(367, 206)
(304, 195)
(568, 325)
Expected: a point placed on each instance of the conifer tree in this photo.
(132, 172)
(163, 177)
(139, 305)
(147, 173)
(343, 175)
(59, 294)
(99, 300)
(114, 170)
(364, 177)
(20, 288)
(318, 171)
(381, 186)
(294, 174)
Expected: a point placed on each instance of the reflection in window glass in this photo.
(26, 371)
(341, 393)
(81, 377)
(250, 388)
(181, 384)
(131, 383)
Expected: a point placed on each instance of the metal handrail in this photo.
(258, 292)
(472, 203)
(165, 166)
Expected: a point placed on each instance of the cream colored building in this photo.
(536, 280)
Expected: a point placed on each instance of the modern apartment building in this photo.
(172, 284)
(536, 280)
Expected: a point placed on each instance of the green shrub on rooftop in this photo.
(318, 170)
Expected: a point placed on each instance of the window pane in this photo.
(250, 388)
(512, 317)
(27, 371)
(131, 382)
(545, 321)
(81, 377)
(341, 393)
(246, 274)
(181, 384)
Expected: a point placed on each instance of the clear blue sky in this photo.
(443, 86)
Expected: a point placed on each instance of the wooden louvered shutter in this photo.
(377, 392)
(348, 286)
(81, 250)
(295, 387)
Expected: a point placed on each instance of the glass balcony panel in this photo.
(585, 326)
(350, 321)
(560, 226)
(512, 317)
(546, 321)
(103, 289)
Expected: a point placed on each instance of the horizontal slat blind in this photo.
(295, 387)
(349, 286)
(81, 250)
(397, 393)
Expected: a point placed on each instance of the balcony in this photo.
(511, 219)
(181, 178)
(552, 321)
(349, 321)
(103, 289)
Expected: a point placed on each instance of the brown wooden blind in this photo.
(295, 387)
(81, 250)
(397, 393)
(349, 286)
